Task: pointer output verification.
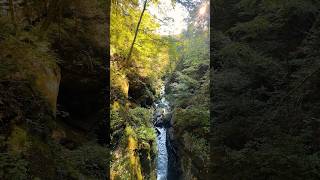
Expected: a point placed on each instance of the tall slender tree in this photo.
(136, 32)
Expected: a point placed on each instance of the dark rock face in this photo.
(25, 115)
(174, 166)
(147, 165)
(81, 95)
(203, 68)
(140, 90)
(20, 104)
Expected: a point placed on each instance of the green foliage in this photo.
(191, 118)
(252, 29)
(263, 85)
(140, 117)
(124, 19)
(195, 47)
(116, 119)
(146, 133)
(255, 65)
(90, 160)
(123, 166)
(197, 146)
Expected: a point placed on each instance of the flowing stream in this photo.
(161, 110)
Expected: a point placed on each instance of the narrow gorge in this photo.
(160, 90)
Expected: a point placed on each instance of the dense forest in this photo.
(143, 63)
(265, 89)
(52, 89)
(91, 89)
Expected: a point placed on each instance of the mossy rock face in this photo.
(18, 141)
(127, 166)
(191, 129)
(135, 156)
(119, 82)
(47, 81)
(30, 79)
(22, 62)
(26, 124)
(148, 163)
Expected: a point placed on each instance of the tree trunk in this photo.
(136, 32)
(12, 13)
(53, 10)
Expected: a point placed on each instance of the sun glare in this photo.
(202, 10)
